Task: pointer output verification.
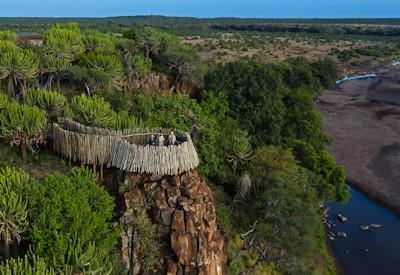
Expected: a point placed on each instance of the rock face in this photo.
(161, 84)
(183, 209)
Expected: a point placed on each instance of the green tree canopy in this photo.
(97, 42)
(92, 111)
(53, 103)
(17, 65)
(285, 207)
(254, 93)
(13, 206)
(136, 67)
(62, 45)
(327, 72)
(70, 222)
(148, 41)
(23, 126)
(105, 72)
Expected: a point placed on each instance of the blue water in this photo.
(383, 244)
(353, 77)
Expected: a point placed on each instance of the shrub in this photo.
(34, 266)
(13, 206)
(23, 126)
(52, 102)
(3, 100)
(91, 111)
(71, 221)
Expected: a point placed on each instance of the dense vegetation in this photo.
(121, 23)
(258, 137)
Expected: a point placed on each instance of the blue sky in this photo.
(202, 8)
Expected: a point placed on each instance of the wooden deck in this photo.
(126, 150)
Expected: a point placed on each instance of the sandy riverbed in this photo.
(362, 117)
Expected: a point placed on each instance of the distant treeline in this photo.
(383, 27)
(314, 28)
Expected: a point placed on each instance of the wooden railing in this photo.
(126, 150)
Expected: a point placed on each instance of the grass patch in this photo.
(43, 163)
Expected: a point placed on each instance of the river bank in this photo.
(362, 119)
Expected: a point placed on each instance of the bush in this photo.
(34, 266)
(23, 126)
(70, 219)
(91, 111)
(52, 102)
(3, 100)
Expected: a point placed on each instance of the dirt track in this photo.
(365, 133)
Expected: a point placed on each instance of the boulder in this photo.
(184, 247)
(178, 221)
(160, 199)
(166, 215)
(173, 193)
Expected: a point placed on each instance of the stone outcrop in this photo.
(160, 84)
(182, 207)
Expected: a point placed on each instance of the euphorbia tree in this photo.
(105, 72)
(23, 126)
(52, 102)
(13, 206)
(92, 111)
(62, 45)
(97, 42)
(18, 65)
(136, 66)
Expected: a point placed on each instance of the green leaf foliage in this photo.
(105, 72)
(26, 266)
(71, 221)
(92, 111)
(285, 206)
(97, 42)
(13, 206)
(326, 71)
(147, 236)
(17, 65)
(23, 126)
(3, 100)
(122, 120)
(8, 35)
(52, 102)
(64, 42)
(179, 112)
(254, 94)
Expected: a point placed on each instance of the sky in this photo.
(203, 8)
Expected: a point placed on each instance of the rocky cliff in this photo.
(161, 84)
(182, 207)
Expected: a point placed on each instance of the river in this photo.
(372, 252)
(355, 77)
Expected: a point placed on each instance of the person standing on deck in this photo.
(160, 138)
(152, 141)
(171, 139)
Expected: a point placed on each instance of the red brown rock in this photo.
(178, 221)
(187, 229)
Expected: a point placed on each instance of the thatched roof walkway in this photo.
(126, 150)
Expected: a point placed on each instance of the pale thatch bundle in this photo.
(125, 149)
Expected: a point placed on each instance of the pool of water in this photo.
(353, 77)
(375, 252)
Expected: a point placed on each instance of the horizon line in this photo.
(194, 17)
